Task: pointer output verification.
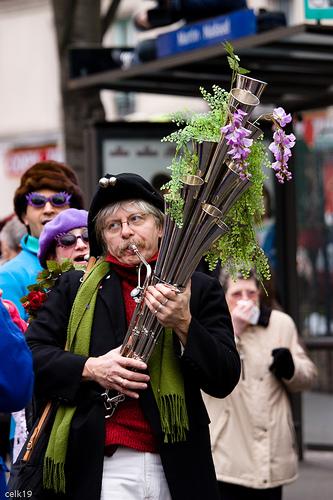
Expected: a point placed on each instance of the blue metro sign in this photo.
(208, 32)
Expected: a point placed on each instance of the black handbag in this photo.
(26, 475)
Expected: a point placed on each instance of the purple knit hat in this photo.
(65, 221)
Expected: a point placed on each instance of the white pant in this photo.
(134, 475)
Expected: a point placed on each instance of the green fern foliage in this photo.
(238, 249)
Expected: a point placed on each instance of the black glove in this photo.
(283, 364)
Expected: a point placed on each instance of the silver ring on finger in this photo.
(165, 302)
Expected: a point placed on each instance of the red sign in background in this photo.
(18, 160)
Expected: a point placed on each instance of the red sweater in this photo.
(128, 426)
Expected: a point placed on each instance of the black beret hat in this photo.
(114, 188)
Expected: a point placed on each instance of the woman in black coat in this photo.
(203, 346)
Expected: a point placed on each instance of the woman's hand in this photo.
(114, 371)
(241, 316)
(171, 308)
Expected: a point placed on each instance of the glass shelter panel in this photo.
(314, 205)
(314, 199)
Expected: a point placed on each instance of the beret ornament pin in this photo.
(105, 182)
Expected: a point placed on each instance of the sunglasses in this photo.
(68, 239)
(37, 200)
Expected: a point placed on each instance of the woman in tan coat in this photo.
(252, 433)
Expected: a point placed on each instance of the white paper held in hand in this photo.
(255, 311)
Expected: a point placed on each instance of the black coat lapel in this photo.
(109, 325)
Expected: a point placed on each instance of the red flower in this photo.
(34, 300)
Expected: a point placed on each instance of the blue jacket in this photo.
(16, 373)
(3, 487)
(20, 272)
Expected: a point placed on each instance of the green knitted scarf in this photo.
(164, 370)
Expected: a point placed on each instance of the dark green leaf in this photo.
(52, 265)
(228, 48)
(243, 71)
(66, 265)
(232, 63)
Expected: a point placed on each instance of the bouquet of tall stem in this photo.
(207, 193)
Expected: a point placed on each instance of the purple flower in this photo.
(280, 147)
(238, 117)
(236, 136)
(281, 117)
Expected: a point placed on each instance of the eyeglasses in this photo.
(57, 200)
(68, 239)
(133, 221)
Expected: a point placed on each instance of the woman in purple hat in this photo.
(65, 237)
